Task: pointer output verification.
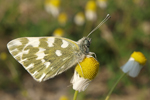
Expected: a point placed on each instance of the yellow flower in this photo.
(58, 32)
(102, 3)
(63, 98)
(134, 64)
(85, 73)
(3, 56)
(62, 18)
(90, 10)
(91, 5)
(79, 18)
(55, 3)
(139, 57)
(52, 6)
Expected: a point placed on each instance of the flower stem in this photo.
(107, 97)
(75, 95)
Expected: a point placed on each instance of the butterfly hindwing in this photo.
(44, 57)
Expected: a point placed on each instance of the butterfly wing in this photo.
(44, 57)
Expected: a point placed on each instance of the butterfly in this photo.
(46, 57)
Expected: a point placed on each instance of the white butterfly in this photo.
(46, 57)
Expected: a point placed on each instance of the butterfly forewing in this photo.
(44, 57)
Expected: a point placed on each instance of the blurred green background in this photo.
(128, 30)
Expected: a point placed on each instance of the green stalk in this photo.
(107, 97)
(75, 95)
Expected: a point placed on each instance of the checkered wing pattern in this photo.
(44, 57)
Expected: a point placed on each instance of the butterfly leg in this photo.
(92, 53)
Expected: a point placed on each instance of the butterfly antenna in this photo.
(106, 18)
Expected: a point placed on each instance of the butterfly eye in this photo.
(87, 42)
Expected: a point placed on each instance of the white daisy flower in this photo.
(134, 64)
(102, 3)
(79, 19)
(90, 11)
(85, 73)
(52, 6)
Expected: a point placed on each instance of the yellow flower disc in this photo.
(58, 32)
(91, 5)
(80, 14)
(55, 3)
(3, 56)
(89, 67)
(62, 18)
(139, 57)
(63, 98)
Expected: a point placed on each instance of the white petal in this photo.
(132, 68)
(90, 15)
(79, 83)
(127, 67)
(52, 9)
(135, 69)
(102, 4)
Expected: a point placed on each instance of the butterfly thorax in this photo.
(84, 45)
